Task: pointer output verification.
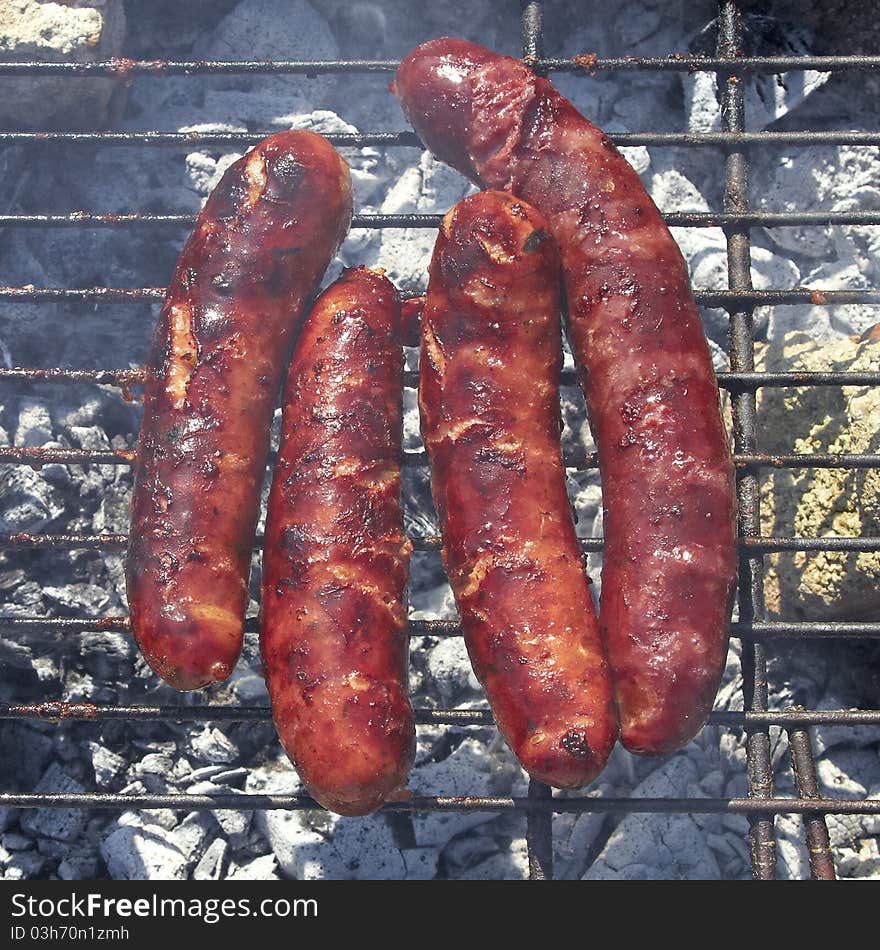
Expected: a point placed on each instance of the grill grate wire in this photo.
(742, 382)
(742, 357)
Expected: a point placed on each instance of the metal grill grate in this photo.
(734, 144)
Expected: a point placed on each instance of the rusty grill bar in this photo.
(740, 301)
(750, 593)
(532, 27)
(676, 219)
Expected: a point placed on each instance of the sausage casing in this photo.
(669, 566)
(489, 402)
(335, 563)
(242, 282)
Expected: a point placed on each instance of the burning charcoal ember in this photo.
(74, 31)
(23, 865)
(821, 502)
(862, 860)
(836, 780)
(575, 836)
(154, 773)
(431, 187)
(825, 324)
(657, 847)
(705, 249)
(826, 178)
(231, 777)
(450, 670)
(212, 746)
(63, 824)
(204, 774)
(16, 842)
(826, 738)
(420, 863)
(27, 501)
(470, 770)
(193, 836)
(772, 96)
(466, 851)
(792, 855)
(214, 863)
(25, 753)
(511, 864)
(249, 687)
(297, 32)
(367, 850)
(25, 597)
(142, 852)
(300, 844)
(107, 765)
(80, 864)
(264, 868)
(85, 600)
(233, 824)
(34, 423)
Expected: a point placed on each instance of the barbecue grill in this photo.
(730, 149)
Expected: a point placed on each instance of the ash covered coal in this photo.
(212, 757)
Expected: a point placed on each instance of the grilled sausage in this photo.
(245, 276)
(335, 564)
(667, 474)
(489, 402)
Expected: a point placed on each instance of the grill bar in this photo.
(818, 842)
(679, 219)
(423, 803)
(587, 62)
(752, 630)
(19, 540)
(539, 825)
(126, 378)
(90, 712)
(708, 298)
(750, 592)
(724, 139)
(45, 455)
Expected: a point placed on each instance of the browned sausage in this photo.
(489, 400)
(248, 271)
(669, 566)
(335, 561)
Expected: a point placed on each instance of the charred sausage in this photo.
(489, 402)
(667, 475)
(245, 276)
(335, 563)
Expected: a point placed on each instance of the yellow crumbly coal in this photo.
(814, 502)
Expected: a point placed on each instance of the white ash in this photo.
(214, 863)
(137, 851)
(264, 868)
(230, 758)
(72, 31)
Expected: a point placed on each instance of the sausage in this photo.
(489, 403)
(335, 565)
(217, 358)
(669, 568)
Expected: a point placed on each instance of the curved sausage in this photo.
(489, 401)
(669, 567)
(245, 276)
(335, 563)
